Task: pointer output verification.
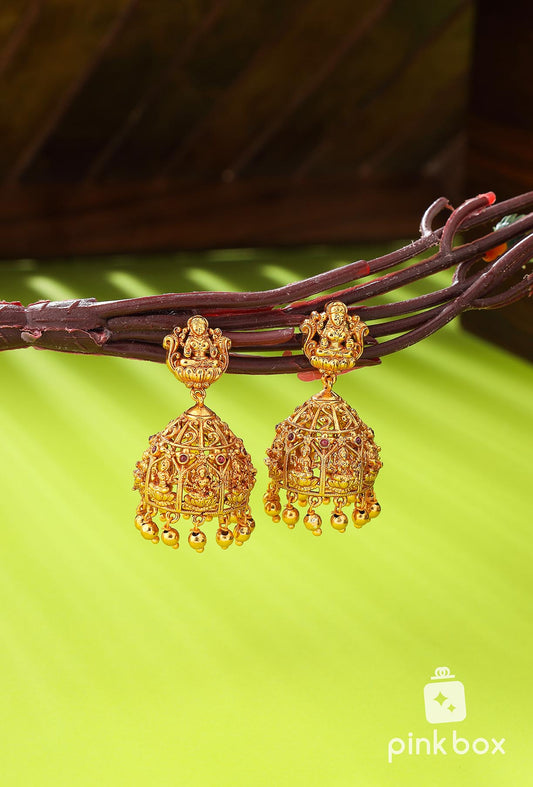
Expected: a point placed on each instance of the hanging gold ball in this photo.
(374, 510)
(339, 521)
(360, 518)
(149, 530)
(272, 509)
(313, 521)
(290, 516)
(197, 540)
(170, 537)
(250, 521)
(139, 521)
(242, 533)
(224, 538)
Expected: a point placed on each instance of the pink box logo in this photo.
(444, 698)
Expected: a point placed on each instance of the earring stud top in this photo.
(197, 355)
(333, 340)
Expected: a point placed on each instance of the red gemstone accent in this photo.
(221, 459)
(290, 436)
(183, 458)
(358, 440)
(324, 442)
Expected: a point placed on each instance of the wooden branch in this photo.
(265, 321)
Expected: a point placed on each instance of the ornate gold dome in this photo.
(323, 452)
(195, 468)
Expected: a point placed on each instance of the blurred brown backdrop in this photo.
(134, 125)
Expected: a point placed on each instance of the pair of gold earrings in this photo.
(198, 469)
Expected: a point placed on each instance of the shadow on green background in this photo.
(293, 660)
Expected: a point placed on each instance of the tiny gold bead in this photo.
(375, 509)
(290, 516)
(360, 518)
(197, 540)
(170, 537)
(272, 508)
(242, 533)
(313, 521)
(250, 521)
(224, 538)
(339, 521)
(149, 530)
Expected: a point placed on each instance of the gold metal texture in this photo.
(196, 468)
(324, 452)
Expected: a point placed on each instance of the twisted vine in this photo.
(265, 321)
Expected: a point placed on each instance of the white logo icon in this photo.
(444, 698)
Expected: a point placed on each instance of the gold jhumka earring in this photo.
(324, 452)
(196, 468)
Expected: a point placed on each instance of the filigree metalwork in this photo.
(324, 452)
(196, 468)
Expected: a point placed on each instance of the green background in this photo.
(292, 660)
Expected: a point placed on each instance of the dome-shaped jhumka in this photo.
(324, 453)
(196, 468)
